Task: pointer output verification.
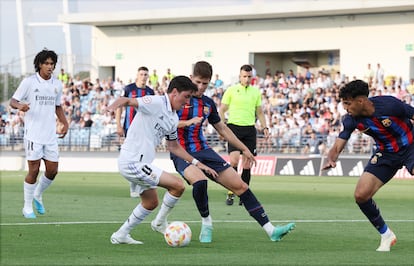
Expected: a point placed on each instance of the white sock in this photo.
(42, 185)
(386, 233)
(28, 191)
(167, 205)
(268, 227)
(136, 217)
(207, 220)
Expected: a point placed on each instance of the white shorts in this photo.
(36, 151)
(144, 175)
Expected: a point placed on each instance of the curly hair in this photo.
(353, 89)
(42, 56)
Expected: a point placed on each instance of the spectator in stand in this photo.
(153, 80)
(63, 77)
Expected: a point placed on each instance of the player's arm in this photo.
(193, 121)
(262, 120)
(122, 101)
(15, 104)
(174, 147)
(222, 111)
(333, 153)
(62, 130)
(119, 128)
(228, 135)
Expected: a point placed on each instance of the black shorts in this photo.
(384, 165)
(208, 157)
(246, 134)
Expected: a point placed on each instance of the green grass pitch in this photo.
(83, 209)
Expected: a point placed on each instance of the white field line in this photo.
(190, 222)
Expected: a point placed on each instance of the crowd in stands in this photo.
(302, 109)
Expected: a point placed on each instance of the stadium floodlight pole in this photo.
(65, 29)
(20, 29)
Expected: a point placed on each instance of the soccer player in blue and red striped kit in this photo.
(190, 136)
(389, 122)
(134, 90)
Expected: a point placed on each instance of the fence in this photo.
(98, 139)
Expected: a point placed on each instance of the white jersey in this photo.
(43, 96)
(154, 120)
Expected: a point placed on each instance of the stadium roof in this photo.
(257, 10)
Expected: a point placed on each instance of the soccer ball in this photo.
(177, 234)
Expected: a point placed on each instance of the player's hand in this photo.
(62, 130)
(207, 169)
(329, 165)
(120, 131)
(249, 157)
(24, 107)
(266, 132)
(195, 120)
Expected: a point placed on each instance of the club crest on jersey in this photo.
(386, 122)
(374, 159)
(206, 110)
(146, 99)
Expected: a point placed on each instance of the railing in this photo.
(98, 139)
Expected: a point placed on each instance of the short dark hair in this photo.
(203, 69)
(42, 56)
(247, 68)
(181, 83)
(354, 89)
(143, 68)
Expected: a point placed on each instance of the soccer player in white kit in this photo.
(155, 119)
(39, 97)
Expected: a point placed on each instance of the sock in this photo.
(245, 176)
(167, 205)
(207, 220)
(254, 207)
(42, 185)
(268, 227)
(136, 217)
(200, 197)
(372, 212)
(28, 192)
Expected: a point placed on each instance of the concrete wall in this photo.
(360, 39)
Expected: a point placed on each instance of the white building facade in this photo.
(340, 36)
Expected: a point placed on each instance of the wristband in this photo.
(194, 161)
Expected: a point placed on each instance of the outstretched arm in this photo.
(333, 153)
(122, 101)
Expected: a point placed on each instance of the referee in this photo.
(243, 104)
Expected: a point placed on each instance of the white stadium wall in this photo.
(360, 39)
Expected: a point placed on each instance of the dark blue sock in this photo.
(372, 212)
(246, 176)
(254, 207)
(200, 197)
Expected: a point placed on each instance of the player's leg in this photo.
(175, 188)
(149, 201)
(234, 157)
(366, 188)
(50, 158)
(29, 187)
(198, 180)
(147, 176)
(34, 154)
(249, 139)
(229, 179)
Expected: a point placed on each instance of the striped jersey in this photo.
(192, 138)
(132, 91)
(390, 125)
